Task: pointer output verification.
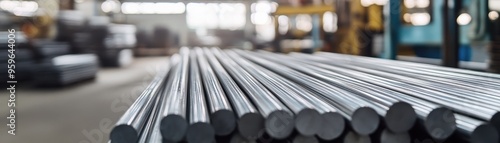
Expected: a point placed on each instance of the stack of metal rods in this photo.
(211, 95)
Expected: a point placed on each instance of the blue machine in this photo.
(426, 40)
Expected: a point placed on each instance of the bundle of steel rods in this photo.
(210, 95)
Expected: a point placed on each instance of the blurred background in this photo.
(81, 63)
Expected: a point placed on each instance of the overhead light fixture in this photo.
(409, 3)
(464, 19)
(493, 15)
(109, 6)
(420, 19)
(422, 3)
(407, 17)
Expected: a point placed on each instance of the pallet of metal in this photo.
(67, 69)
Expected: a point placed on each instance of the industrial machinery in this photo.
(461, 32)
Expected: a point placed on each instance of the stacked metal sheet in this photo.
(209, 95)
(67, 69)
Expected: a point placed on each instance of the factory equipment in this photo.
(311, 98)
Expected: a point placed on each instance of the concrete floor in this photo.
(80, 113)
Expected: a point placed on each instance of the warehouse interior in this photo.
(250, 71)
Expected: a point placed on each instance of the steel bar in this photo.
(250, 121)
(363, 119)
(398, 116)
(152, 126)
(173, 125)
(390, 137)
(238, 138)
(155, 134)
(353, 137)
(333, 123)
(476, 131)
(199, 130)
(132, 123)
(305, 139)
(221, 113)
(278, 118)
(150, 123)
(307, 120)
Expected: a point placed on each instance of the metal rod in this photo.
(133, 121)
(221, 113)
(173, 125)
(154, 130)
(238, 138)
(199, 130)
(390, 137)
(250, 121)
(353, 137)
(305, 139)
(278, 118)
(307, 120)
(363, 119)
(333, 123)
(150, 123)
(476, 131)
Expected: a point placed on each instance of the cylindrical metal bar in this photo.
(199, 130)
(305, 139)
(278, 118)
(333, 123)
(390, 137)
(173, 125)
(154, 134)
(353, 137)
(238, 138)
(250, 121)
(398, 116)
(133, 121)
(363, 119)
(221, 113)
(475, 131)
(150, 123)
(307, 119)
